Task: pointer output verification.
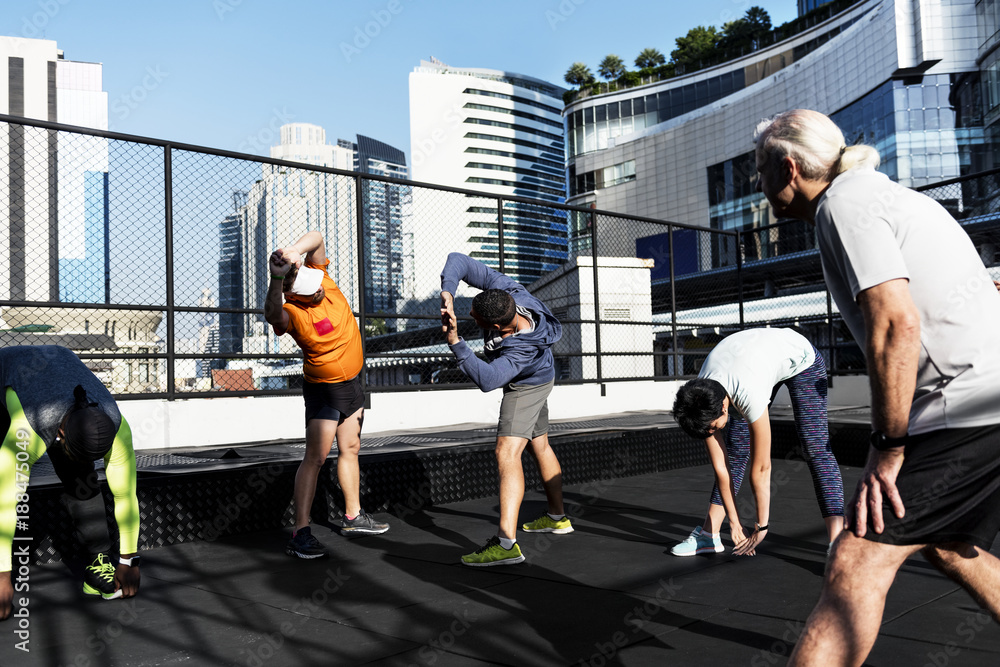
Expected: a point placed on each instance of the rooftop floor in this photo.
(608, 593)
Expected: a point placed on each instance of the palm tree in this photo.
(611, 67)
(578, 74)
(758, 20)
(649, 58)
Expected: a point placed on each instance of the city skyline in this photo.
(197, 93)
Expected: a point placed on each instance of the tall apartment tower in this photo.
(388, 248)
(54, 221)
(496, 132)
(286, 202)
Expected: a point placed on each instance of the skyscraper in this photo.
(388, 240)
(286, 202)
(53, 186)
(496, 132)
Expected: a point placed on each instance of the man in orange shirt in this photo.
(316, 314)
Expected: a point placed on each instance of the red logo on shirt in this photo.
(323, 327)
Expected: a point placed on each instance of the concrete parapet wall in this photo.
(204, 422)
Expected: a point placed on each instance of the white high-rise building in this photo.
(495, 132)
(55, 215)
(53, 186)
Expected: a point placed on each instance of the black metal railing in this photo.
(149, 259)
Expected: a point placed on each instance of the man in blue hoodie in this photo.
(518, 333)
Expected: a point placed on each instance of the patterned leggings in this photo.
(808, 393)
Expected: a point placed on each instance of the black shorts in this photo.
(335, 401)
(950, 487)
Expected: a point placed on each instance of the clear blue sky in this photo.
(221, 73)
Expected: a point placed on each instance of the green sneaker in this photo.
(546, 524)
(99, 578)
(493, 554)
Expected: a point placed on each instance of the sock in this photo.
(555, 517)
(505, 543)
(305, 529)
(349, 518)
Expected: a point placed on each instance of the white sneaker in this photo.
(698, 542)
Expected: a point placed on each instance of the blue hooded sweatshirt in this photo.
(525, 358)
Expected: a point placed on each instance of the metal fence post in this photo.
(673, 297)
(500, 231)
(362, 277)
(739, 274)
(168, 201)
(597, 300)
(829, 331)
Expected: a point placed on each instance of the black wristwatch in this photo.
(133, 561)
(882, 442)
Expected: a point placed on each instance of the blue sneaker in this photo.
(698, 542)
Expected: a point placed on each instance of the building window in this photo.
(602, 178)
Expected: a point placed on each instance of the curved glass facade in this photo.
(590, 128)
(921, 137)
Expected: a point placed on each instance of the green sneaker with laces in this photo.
(99, 578)
(493, 554)
(546, 524)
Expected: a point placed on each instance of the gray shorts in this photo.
(524, 411)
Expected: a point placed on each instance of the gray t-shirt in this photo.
(43, 377)
(749, 363)
(872, 230)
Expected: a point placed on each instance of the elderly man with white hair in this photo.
(914, 292)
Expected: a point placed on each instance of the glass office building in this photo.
(906, 82)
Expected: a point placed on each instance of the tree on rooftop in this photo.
(746, 32)
(698, 44)
(758, 20)
(578, 74)
(611, 67)
(649, 58)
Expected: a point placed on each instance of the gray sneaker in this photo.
(363, 524)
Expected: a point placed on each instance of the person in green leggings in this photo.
(53, 403)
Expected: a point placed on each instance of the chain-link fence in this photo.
(149, 260)
(782, 280)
